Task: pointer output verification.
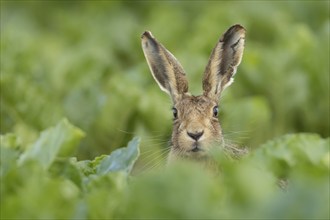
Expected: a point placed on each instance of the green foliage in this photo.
(41, 180)
(60, 140)
(103, 188)
(120, 159)
(83, 61)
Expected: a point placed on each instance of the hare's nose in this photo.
(195, 135)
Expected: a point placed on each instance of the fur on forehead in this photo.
(191, 103)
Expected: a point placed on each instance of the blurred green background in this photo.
(83, 60)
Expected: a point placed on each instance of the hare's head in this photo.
(196, 126)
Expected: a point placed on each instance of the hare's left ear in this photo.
(165, 68)
(223, 62)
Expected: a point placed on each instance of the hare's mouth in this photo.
(196, 148)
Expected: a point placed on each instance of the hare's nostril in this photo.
(196, 135)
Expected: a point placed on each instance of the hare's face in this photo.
(196, 127)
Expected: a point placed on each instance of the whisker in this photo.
(155, 141)
(126, 132)
(157, 158)
(159, 162)
(151, 153)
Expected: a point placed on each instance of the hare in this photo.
(196, 128)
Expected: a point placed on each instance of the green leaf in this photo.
(121, 159)
(60, 140)
(88, 167)
(104, 194)
(182, 191)
(9, 141)
(309, 147)
(292, 150)
(9, 152)
(67, 168)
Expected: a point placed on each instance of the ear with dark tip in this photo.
(165, 68)
(223, 62)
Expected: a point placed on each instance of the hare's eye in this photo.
(175, 112)
(215, 111)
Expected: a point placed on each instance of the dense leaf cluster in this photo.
(284, 178)
(83, 61)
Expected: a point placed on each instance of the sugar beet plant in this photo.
(82, 60)
(284, 178)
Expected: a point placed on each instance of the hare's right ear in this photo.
(223, 63)
(165, 68)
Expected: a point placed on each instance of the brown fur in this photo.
(194, 115)
(195, 129)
